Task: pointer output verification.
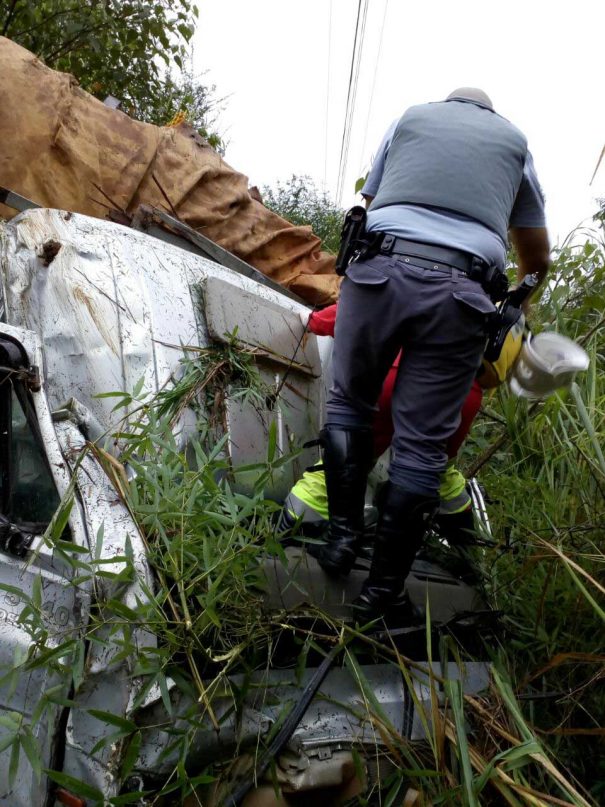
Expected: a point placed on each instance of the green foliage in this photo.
(300, 202)
(204, 538)
(186, 94)
(359, 183)
(548, 482)
(205, 542)
(111, 47)
(135, 50)
(542, 714)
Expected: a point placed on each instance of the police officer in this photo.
(452, 181)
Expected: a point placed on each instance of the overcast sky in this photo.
(284, 69)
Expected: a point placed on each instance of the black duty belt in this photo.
(429, 256)
(433, 257)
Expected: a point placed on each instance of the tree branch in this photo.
(9, 17)
(45, 21)
(73, 43)
(134, 16)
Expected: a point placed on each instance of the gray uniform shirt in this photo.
(432, 225)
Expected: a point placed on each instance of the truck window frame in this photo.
(12, 389)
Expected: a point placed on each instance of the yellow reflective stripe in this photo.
(452, 490)
(311, 490)
(298, 510)
(457, 505)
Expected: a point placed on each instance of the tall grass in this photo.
(547, 480)
(529, 740)
(535, 737)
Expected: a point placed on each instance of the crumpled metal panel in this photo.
(261, 324)
(301, 580)
(65, 611)
(113, 305)
(473, 676)
(63, 608)
(296, 413)
(108, 684)
(447, 595)
(338, 713)
(205, 743)
(336, 716)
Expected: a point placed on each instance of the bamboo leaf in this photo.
(113, 720)
(454, 691)
(13, 765)
(75, 785)
(32, 751)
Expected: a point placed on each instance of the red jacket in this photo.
(322, 323)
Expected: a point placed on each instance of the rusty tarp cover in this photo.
(59, 145)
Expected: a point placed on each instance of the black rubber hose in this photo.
(283, 735)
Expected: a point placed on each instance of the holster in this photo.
(351, 238)
(499, 327)
(493, 281)
(509, 312)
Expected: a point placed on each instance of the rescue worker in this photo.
(450, 181)
(306, 506)
(307, 502)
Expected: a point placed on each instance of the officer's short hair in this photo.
(471, 94)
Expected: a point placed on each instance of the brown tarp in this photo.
(62, 148)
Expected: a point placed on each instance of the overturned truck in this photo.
(92, 307)
(133, 246)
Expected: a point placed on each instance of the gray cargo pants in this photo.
(439, 318)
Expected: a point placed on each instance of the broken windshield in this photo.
(28, 492)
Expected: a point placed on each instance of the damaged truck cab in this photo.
(95, 307)
(91, 307)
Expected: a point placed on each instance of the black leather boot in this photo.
(458, 529)
(403, 522)
(347, 457)
(460, 532)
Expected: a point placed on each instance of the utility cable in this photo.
(239, 792)
(362, 11)
(328, 95)
(378, 54)
(344, 131)
(353, 98)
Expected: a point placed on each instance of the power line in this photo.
(328, 95)
(378, 54)
(352, 93)
(362, 12)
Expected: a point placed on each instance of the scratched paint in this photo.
(116, 305)
(113, 306)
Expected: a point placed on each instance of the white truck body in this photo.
(113, 306)
(96, 307)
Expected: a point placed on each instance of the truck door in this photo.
(34, 580)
